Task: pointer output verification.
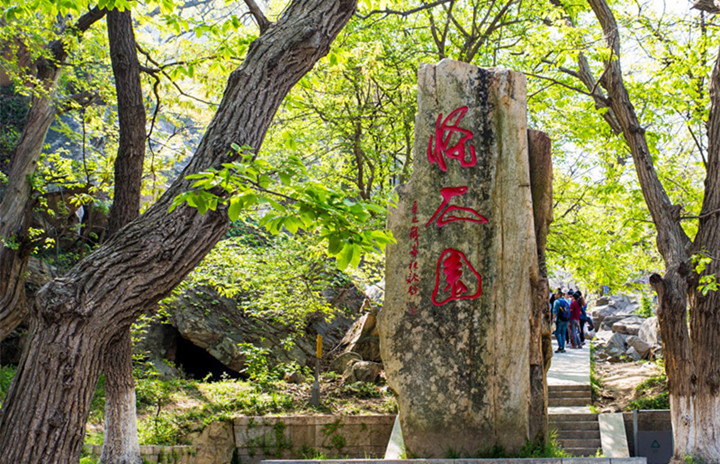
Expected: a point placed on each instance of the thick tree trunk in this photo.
(691, 348)
(121, 445)
(76, 316)
(17, 202)
(539, 151)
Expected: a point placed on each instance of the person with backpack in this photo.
(561, 314)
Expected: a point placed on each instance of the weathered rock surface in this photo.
(650, 331)
(457, 296)
(361, 371)
(363, 338)
(629, 325)
(641, 347)
(218, 325)
(339, 364)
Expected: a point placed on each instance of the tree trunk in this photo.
(121, 445)
(17, 202)
(690, 347)
(75, 317)
(539, 151)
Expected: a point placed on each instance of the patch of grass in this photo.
(551, 449)
(651, 394)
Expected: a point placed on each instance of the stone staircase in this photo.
(578, 431)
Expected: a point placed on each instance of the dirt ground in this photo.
(619, 381)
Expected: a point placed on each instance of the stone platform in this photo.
(468, 461)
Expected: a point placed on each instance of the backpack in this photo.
(563, 312)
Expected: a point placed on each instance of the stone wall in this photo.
(252, 439)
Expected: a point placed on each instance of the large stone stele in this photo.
(454, 327)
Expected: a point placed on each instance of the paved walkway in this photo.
(571, 367)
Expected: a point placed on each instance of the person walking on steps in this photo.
(561, 314)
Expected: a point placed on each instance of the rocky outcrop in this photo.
(219, 325)
(458, 280)
(363, 338)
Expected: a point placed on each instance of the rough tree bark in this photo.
(75, 317)
(120, 444)
(690, 349)
(539, 151)
(17, 203)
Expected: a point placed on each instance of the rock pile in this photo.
(622, 333)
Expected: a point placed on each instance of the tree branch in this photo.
(708, 6)
(388, 12)
(262, 22)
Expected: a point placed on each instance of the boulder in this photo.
(640, 346)
(219, 325)
(601, 312)
(628, 326)
(361, 371)
(363, 338)
(339, 364)
(650, 331)
(609, 321)
(376, 292)
(602, 301)
(632, 354)
(617, 340)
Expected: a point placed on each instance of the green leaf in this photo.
(284, 177)
(235, 208)
(334, 245)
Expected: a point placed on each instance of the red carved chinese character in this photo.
(414, 232)
(414, 251)
(447, 193)
(412, 310)
(414, 207)
(453, 263)
(413, 278)
(413, 290)
(442, 147)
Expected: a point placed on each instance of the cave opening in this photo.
(195, 361)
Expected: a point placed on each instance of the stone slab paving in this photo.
(571, 367)
(639, 460)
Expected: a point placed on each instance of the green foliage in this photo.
(550, 449)
(645, 309)
(279, 279)
(362, 390)
(652, 393)
(708, 281)
(6, 375)
(307, 204)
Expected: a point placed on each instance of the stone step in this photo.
(578, 434)
(581, 451)
(572, 417)
(570, 394)
(568, 402)
(579, 425)
(580, 443)
(565, 388)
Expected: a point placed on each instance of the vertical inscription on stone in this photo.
(454, 327)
